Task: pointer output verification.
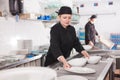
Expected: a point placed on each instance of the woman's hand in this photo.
(86, 55)
(91, 44)
(66, 65)
(64, 61)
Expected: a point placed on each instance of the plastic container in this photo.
(81, 34)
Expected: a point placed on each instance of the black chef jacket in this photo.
(62, 41)
(90, 33)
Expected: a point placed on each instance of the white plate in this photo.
(71, 77)
(28, 73)
(77, 62)
(81, 70)
(87, 47)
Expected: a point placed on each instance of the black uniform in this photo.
(90, 33)
(61, 43)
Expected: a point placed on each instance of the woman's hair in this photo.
(64, 10)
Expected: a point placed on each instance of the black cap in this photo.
(64, 10)
(93, 16)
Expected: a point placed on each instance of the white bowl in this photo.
(87, 47)
(77, 62)
(28, 73)
(93, 59)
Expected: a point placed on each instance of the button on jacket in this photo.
(90, 33)
(62, 41)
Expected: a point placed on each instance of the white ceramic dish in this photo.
(71, 77)
(81, 70)
(28, 73)
(87, 47)
(93, 59)
(77, 62)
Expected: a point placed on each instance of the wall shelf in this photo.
(49, 21)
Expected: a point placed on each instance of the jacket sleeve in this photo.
(96, 32)
(77, 45)
(55, 43)
(87, 31)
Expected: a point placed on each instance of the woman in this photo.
(63, 39)
(90, 31)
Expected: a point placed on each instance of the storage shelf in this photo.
(49, 21)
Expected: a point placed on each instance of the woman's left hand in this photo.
(86, 55)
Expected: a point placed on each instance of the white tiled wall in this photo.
(11, 31)
(108, 15)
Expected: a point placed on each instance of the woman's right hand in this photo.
(64, 61)
(66, 65)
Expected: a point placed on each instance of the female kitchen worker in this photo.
(63, 39)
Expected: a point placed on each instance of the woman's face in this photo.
(65, 19)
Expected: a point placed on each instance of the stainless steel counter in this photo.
(34, 61)
(103, 68)
(115, 54)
